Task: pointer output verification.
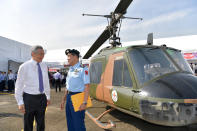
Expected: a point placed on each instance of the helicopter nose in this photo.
(174, 86)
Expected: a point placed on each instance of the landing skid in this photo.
(108, 125)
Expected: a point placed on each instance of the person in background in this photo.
(57, 77)
(191, 65)
(50, 78)
(77, 81)
(64, 78)
(4, 81)
(1, 81)
(11, 78)
(32, 90)
(195, 69)
(15, 76)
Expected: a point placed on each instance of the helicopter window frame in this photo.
(127, 82)
(119, 75)
(143, 72)
(96, 72)
(178, 59)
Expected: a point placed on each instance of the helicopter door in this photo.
(122, 85)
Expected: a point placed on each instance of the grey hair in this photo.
(35, 48)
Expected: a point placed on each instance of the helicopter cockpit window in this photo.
(150, 63)
(95, 72)
(117, 73)
(178, 57)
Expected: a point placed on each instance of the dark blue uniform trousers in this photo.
(75, 120)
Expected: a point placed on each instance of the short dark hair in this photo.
(73, 52)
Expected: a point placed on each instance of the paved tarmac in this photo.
(12, 120)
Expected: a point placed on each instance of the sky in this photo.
(59, 24)
(184, 43)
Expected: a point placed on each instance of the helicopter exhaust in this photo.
(110, 123)
(150, 39)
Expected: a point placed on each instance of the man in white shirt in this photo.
(57, 77)
(32, 90)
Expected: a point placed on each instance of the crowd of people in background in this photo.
(57, 79)
(7, 81)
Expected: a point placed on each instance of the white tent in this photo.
(12, 54)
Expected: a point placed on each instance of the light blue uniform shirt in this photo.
(77, 78)
(4, 76)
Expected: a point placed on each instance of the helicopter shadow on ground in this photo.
(145, 126)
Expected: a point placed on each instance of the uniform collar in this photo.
(76, 65)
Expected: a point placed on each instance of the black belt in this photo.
(72, 93)
(34, 94)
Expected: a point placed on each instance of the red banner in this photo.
(188, 55)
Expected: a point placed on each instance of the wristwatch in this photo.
(85, 103)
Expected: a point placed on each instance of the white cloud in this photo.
(169, 17)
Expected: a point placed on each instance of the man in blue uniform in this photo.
(77, 81)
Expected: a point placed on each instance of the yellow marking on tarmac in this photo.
(6, 94)
(34, 123)
(46, 109)
(22, 130)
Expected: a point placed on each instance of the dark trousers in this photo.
(35, 106)
(63, 81)
(1, 86)
(57, 84)
(10, 85)
(75, 120)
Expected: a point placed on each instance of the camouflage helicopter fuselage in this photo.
(153, 83)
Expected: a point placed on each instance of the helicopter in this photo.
(150, 82)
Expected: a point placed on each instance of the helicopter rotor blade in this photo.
(107, 16)
(120, 10)
(122, 6)
(102, 38)
(123, 17)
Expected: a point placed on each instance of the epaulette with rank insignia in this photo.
(81, 65)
